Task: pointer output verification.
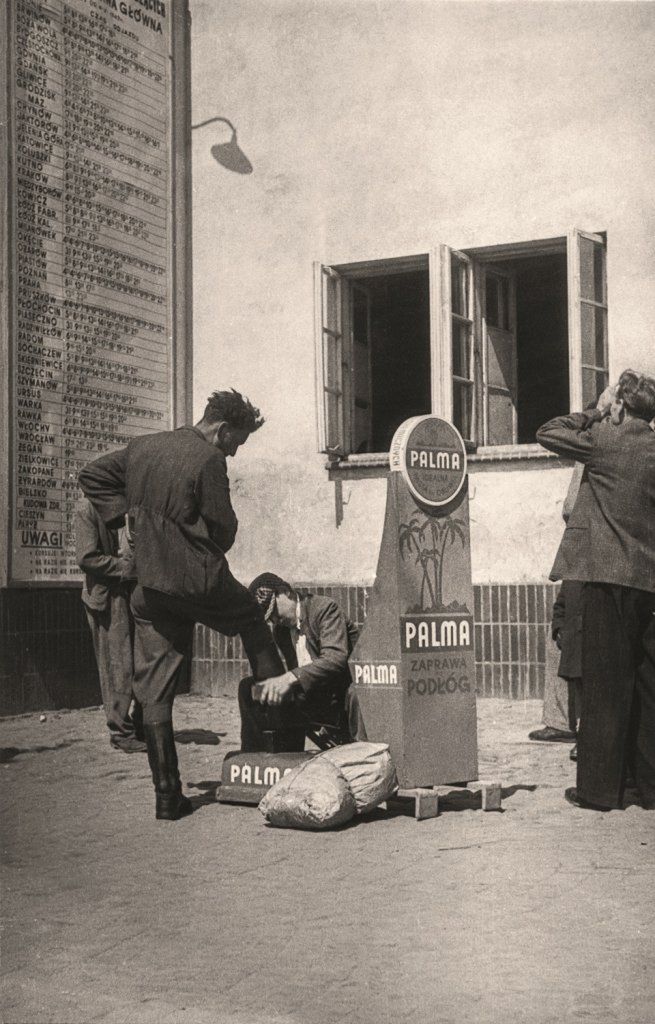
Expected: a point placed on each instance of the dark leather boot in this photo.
(162, 757)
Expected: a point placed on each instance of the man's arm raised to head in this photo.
(570, 436)
(103, 483)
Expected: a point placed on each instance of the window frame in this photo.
(438, 264)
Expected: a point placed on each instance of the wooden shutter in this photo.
(329, 360)
(499, 364)
(360, 359)
(587, 283)
(452, 338)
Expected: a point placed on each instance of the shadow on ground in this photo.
(201, 736)
(9, 753)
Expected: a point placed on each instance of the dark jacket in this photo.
(567, 621)
(175, 489)
(103, 555)
(610, 535)
(330, 637)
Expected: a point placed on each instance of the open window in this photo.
(497, 340)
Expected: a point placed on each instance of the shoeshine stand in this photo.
(413, 666)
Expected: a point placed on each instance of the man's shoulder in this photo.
(316, 606)
(185, 439)
(633, 438)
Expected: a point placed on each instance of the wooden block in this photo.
(416, 803)
(426, 804)
(401, 805)
(491, 796)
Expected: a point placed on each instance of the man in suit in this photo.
(175, 489)
(562, 691)
(105, 558)
(566, 631)
(609, 544)
(314, 695)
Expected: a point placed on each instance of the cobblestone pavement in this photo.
(542, 913)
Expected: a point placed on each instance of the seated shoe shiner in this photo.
(314, 697)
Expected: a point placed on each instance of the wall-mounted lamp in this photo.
(228, 154)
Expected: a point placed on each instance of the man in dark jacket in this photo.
(105, 558)
(609, 544)
(175, 489)
(314, 695)
(562, 693)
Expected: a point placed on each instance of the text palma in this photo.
(432, 634)
(435, 460)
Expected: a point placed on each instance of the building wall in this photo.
(378, 129)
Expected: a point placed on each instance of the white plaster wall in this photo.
(377, 129)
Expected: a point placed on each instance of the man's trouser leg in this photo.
(261, 651)
(644, 751)
(112, 642)
(610, 629)
(162, 643)
(557, 704)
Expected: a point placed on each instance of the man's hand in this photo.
(275, 690)
(604, 403)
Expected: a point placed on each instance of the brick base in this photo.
(512, 627)
(47, 662)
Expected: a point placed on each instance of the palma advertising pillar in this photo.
(413, 667)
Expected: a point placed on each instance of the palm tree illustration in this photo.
(428, 541)
(410, 536)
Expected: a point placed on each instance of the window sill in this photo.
(496, 454)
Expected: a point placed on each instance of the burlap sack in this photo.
(315, 795)
(369, 770)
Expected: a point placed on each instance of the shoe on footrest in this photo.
(550, 735)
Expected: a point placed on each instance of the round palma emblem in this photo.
(431, 456)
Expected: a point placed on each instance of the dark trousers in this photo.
(295, 716)
(617, 729)
(112, 636)
(163, 638)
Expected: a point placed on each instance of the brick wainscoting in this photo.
(512, 627)
(47, 662)
(46, 655)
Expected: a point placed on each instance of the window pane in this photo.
(362, 430)
(500, 415)
(463, 409)
(594, 331)
(360, 316)
(462, 350)
(592, 270)
(331, 348)
(333, 420)
(361, 370)
(504, 317)
(330, 302)
(459, 285)
(594, 383)
(492, 305)
(501, 359)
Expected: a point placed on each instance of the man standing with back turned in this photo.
(609, 544)
(175, 489)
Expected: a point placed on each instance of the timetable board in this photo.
(91, 212)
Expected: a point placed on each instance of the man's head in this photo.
(276, 598)
(634, 397)
(228, 420)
